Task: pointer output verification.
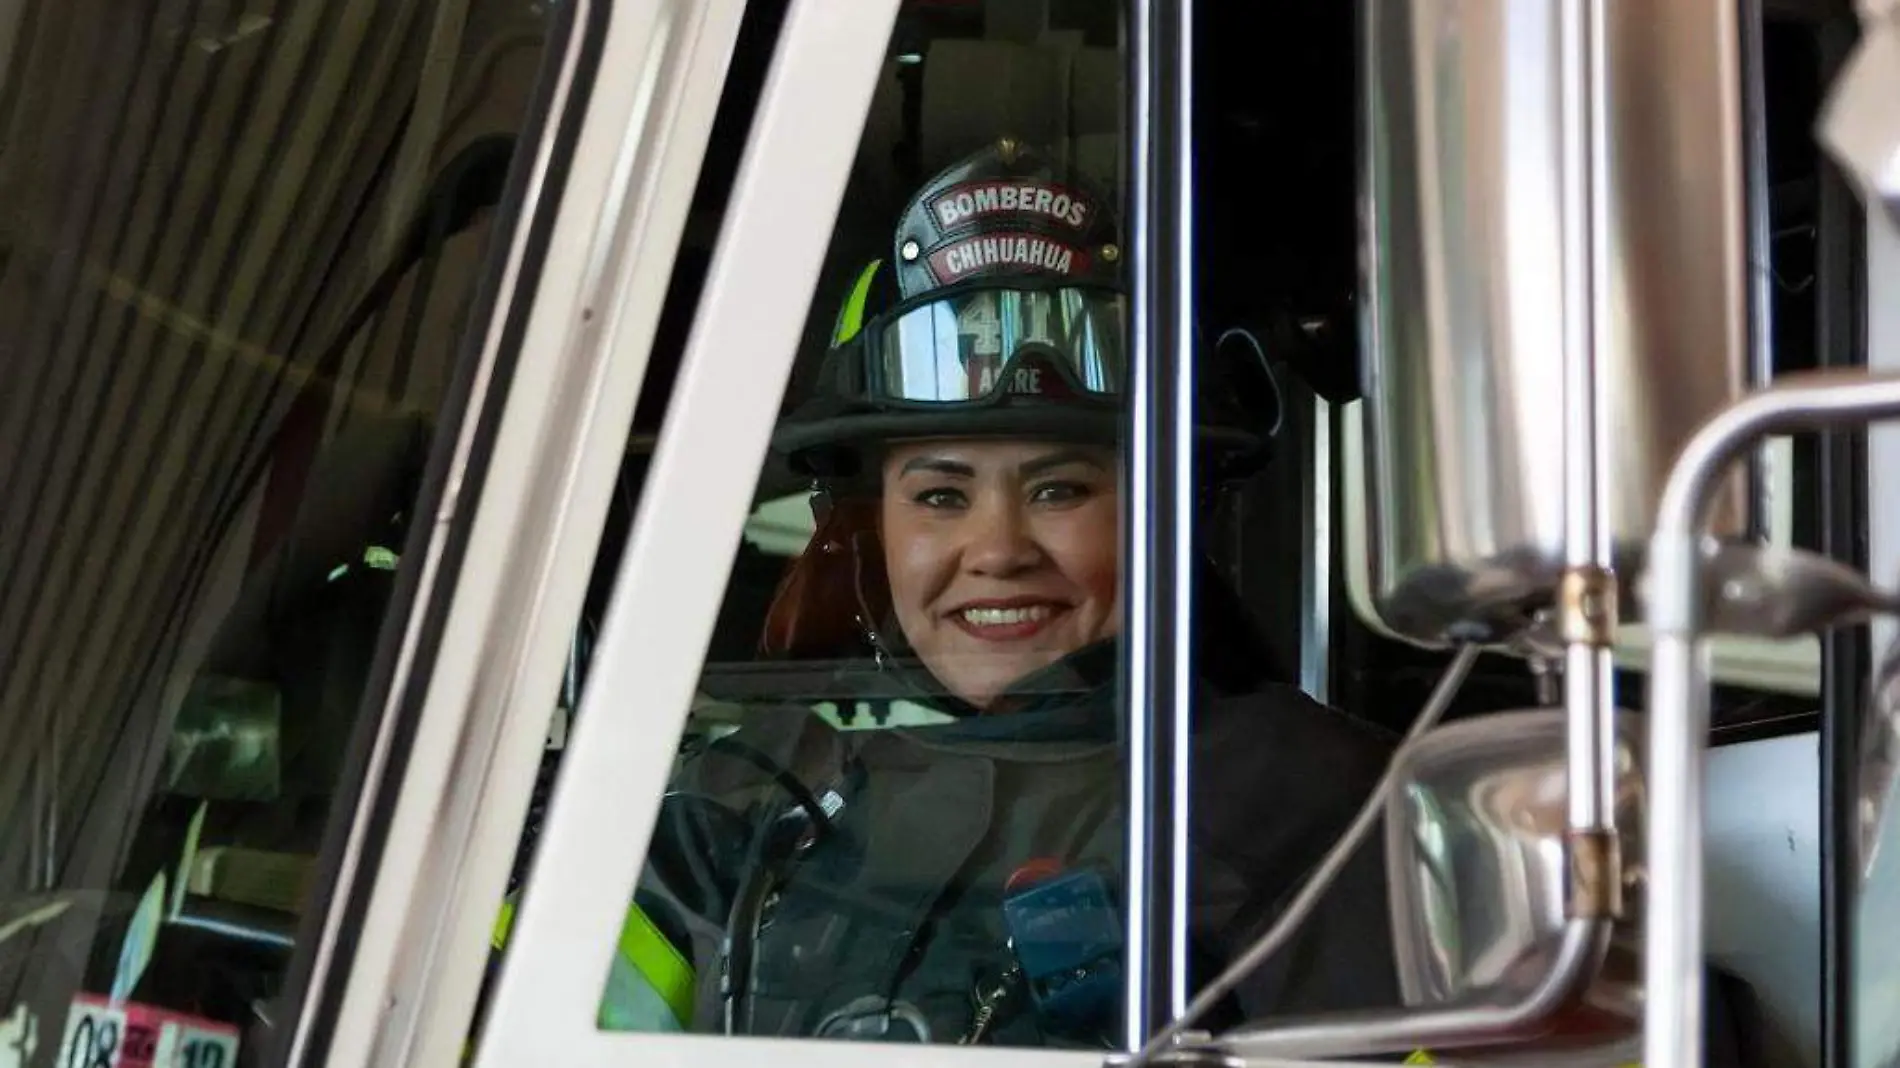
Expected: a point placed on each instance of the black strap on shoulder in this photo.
(732, 745)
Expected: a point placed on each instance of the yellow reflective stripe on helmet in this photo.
(659, 962)
(851, 315)
(504, 923)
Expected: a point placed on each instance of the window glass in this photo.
(896, 813)
(240, 247)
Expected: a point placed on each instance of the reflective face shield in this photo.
(976, 347)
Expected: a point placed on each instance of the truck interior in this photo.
(217, 607)
(1276, 218)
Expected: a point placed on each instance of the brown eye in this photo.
(1059, 493)
(939, 497)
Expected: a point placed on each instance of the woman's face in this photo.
(1003, 556)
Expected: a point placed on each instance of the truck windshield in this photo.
(239, 248)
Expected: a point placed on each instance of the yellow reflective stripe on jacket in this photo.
(1420, 1056)
(659, 962)
(643, 947)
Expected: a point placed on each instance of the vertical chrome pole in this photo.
(1678, 722)
(1587, 607)
(1159, 517)
(1316, 579)
(1759, 243)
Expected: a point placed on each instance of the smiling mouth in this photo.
(1004, 623)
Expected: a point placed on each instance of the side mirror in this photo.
(1478, 865)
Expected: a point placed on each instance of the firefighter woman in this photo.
(960, 881)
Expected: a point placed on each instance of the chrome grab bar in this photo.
(1679, 686)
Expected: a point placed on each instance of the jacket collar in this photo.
(1072, 699)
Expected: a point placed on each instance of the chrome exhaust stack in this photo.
(1551, 301)
(1551, 306)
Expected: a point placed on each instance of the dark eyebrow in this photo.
(1061, 458)
(938, 465)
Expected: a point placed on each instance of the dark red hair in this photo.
(833, 589)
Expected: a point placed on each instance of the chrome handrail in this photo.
(1679, 685)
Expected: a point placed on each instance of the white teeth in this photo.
(1003, 617)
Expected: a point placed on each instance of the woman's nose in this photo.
(1001, 543)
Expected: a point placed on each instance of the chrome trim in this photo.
(1758, 244)
(1589, 225)
(1160, 517)
(1316, 578)
(1373, 1032)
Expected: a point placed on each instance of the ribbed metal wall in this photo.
(194, 196)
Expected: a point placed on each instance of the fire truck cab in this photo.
(389, 506)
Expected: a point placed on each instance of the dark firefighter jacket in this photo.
(888, 923)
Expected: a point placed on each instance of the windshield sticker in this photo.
(141, 939)
(143, 1036)
(975, 201)
(19, 1038)
(44, 914)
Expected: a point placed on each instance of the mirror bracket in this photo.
(1596, 874)
(1587, 606)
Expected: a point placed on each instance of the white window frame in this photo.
(409, 989)
(672, 577)
(693, 508)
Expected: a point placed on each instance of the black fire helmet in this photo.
(1002, 312)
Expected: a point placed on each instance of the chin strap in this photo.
(867, 623)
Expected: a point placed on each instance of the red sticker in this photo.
(134, 1035)
(971, 201)
(1006, 252)
(1035, 870)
